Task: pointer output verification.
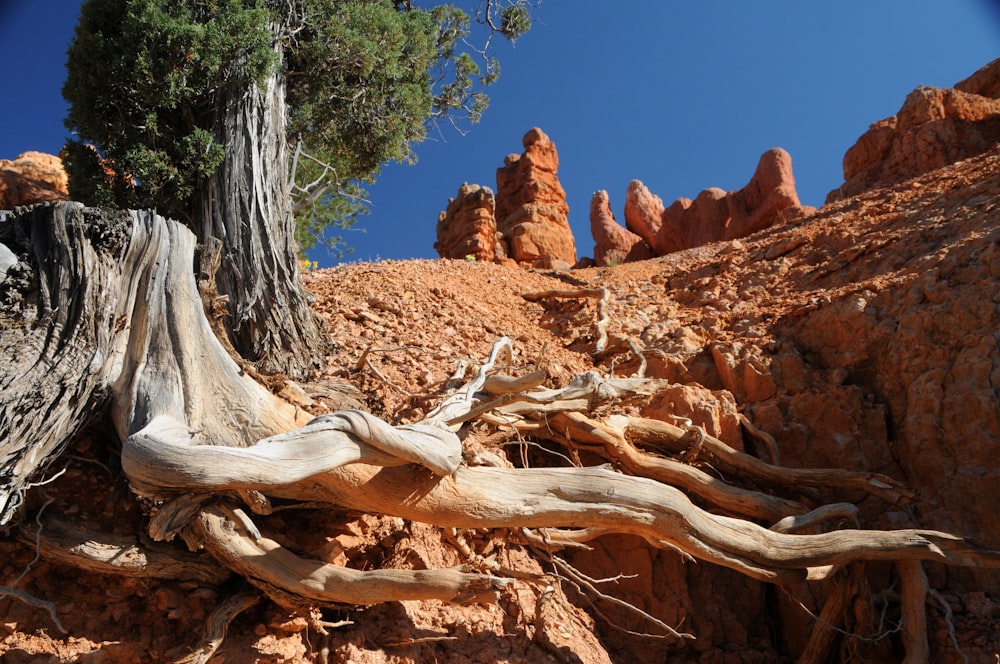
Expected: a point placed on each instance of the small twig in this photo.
(948, 618)
(218, 624)
(364, 360)
(763, 436)
(7, 591)
(580, 579)
(641, 371)
(603, 297)
(421, 639)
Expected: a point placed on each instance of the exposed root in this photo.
(414, 471)
(218, 624)
(641, 371)
(669, 437)
(223, 531)
(107, 553)
(588, 587)
(199, 431)
(828, 622)
(603, 297)
(914, 615)
(800, 522)
(769, 442)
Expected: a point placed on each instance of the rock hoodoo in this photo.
(935, 127)
(468, 227)
(769, 199)
(34, 177)
(532, 214)
(612, 242)
(529, 212)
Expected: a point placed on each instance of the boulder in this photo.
(531, 210)
(935, 127)
(613, 242)
(468, 226)
(34, 177)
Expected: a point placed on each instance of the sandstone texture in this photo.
(34, 177)
(769, 199)
(528, 214)
(934, 127)
(613, 243)
(468, 226)
(532, 214)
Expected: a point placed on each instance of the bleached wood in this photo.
(267, 564)
(111, 553)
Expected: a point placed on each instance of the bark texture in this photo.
(247, 205)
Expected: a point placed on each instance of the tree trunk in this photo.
(247, 205)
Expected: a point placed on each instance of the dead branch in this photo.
(224, 533)
(106, 553)
(603, 297)
(914, 616)
(218, 624)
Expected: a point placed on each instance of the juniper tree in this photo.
(238, 116)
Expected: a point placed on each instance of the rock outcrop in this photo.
(769, 199)
(34, 177)
(529, 213)
(532, 214)
(935, 127)
(468, 227)
(613, 243)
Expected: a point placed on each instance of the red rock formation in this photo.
(531, 210)
(468, 227)
(644, 214)
(935, 127)
(613, 243)
(34, 177)
(769, 199)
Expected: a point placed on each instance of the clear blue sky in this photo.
(681, 95)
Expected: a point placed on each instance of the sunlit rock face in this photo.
(34, 177)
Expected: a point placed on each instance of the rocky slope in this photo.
(865, 336)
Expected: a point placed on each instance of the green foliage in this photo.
(358, 83)
(141, 76)
(363, 79)
(515, 21)
(88, 179)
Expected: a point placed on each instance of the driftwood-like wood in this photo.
(224, 533)
(107, 553)
(56, 337)
(115, 324)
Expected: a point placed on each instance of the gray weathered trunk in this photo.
(57, 327)
(247, 205)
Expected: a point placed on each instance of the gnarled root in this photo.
(224, 532)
